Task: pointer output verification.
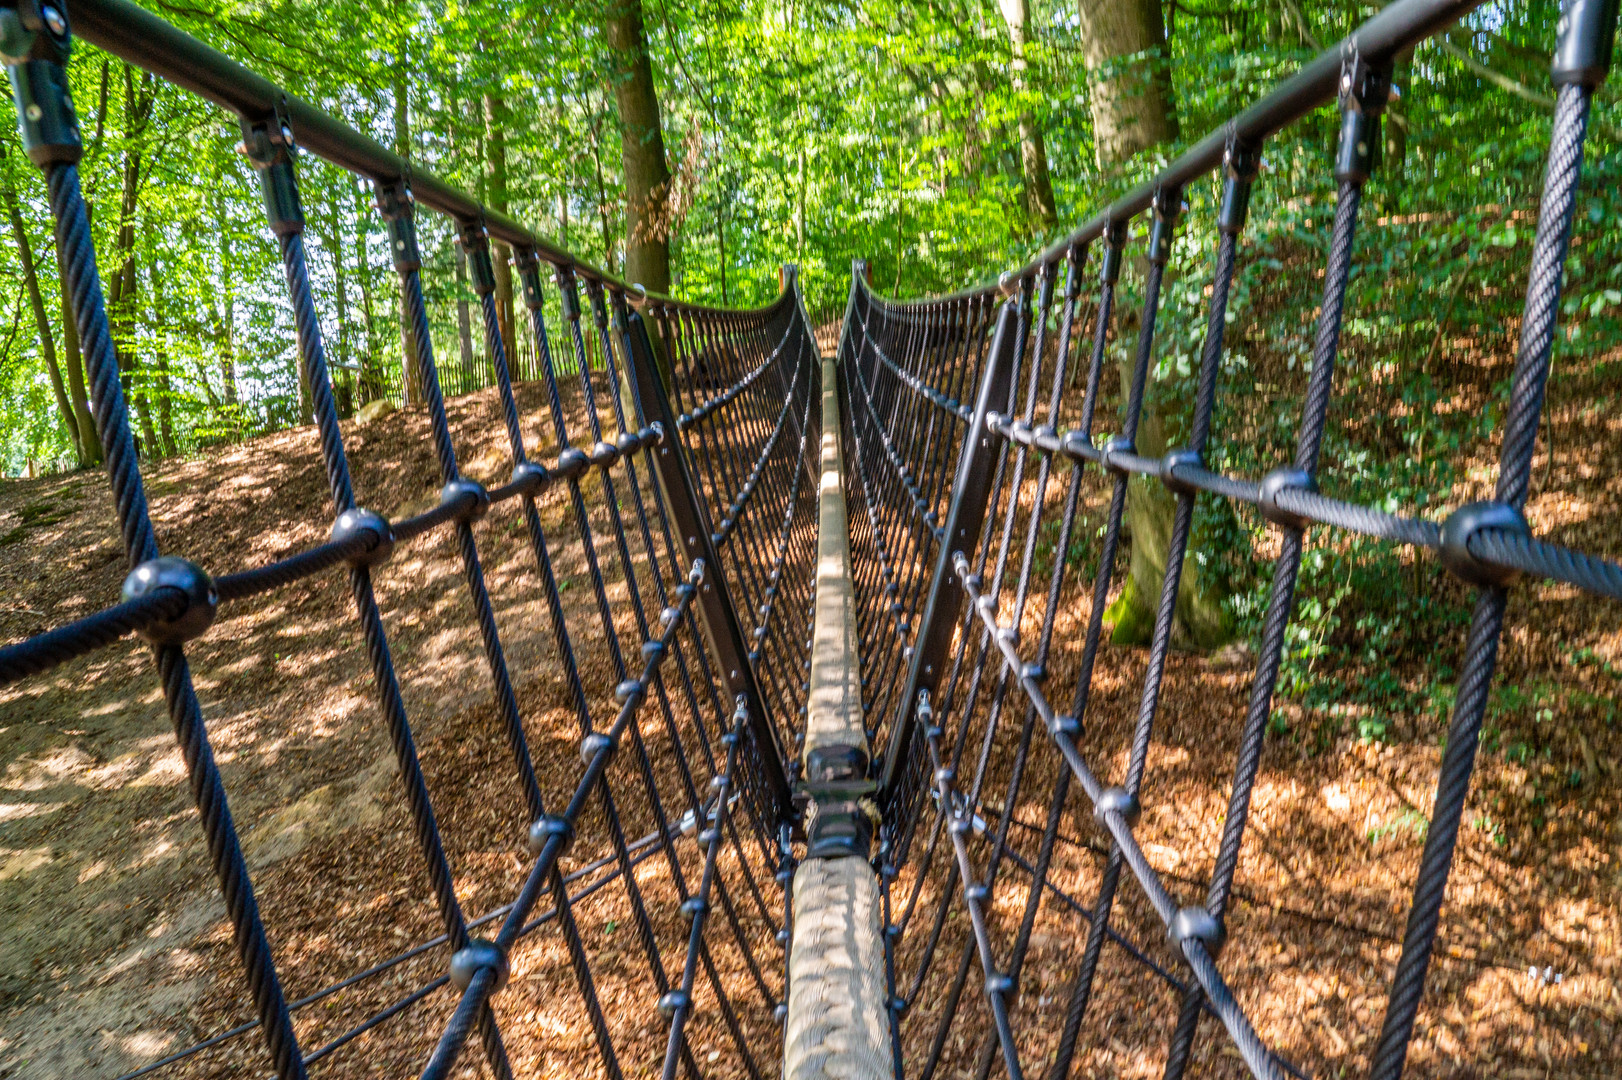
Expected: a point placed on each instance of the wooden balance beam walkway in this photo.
(837, 1024)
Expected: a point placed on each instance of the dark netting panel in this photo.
(676, 471)
(995, 776)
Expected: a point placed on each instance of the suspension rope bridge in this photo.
(831, 692)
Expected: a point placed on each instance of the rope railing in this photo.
(683, 713)
(969, 451)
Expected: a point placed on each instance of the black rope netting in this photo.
(970, 508)
(682, 734)
(684, 465)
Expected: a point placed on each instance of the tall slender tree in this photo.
(642, 149)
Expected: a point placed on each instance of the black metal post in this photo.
(716, 612)
(967, 514)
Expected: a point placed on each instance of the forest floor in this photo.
(114, 949)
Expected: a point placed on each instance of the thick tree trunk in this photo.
(496, 120)
(1133, 110)
(1033, 154)
(47, 340)
(642, 147)
(1131, 99)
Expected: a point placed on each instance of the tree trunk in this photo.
(159, 326)
(1132, 111)
(1033, 153)
(370, 382)
(47, 340)
(228, 308)
(343, 384)
(464, 316)
(122, 296)
(88, 438)
(410, 386)
(1131, 99)
(642, 147)
(496, 119)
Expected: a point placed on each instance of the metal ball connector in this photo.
(1008, 283)
(693, 907)
(1116, 446)
(976, 893)
(708, 836)
(544, 828)
(603, 453)
(532, 475)
(1117, 800)
(572, 463)
(595, 743)
(945, 774)
(356, 521)
(668, 616)
(468, 490)
(473, 958)
(627, 443)
(1198, 924)
(1181, 458)
(190, 580)
(1065, 725)
(671, 1001)
(628, 689)
(1076, 446)
(1464, 523)
(1276, 482)
(999, 984)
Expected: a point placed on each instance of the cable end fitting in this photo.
(473, 958)
(470, 491)
(1276, 482)
(357, 520)
(1117, 445)
(1119, 801)
(185, 577)
(543, 829)
(1181, 458)
(1197, 924)
(1466, 522)
(1585, 35)
(532, 477)
(475, 241)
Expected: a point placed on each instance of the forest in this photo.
(696, 146)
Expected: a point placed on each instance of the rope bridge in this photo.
(840, 610)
